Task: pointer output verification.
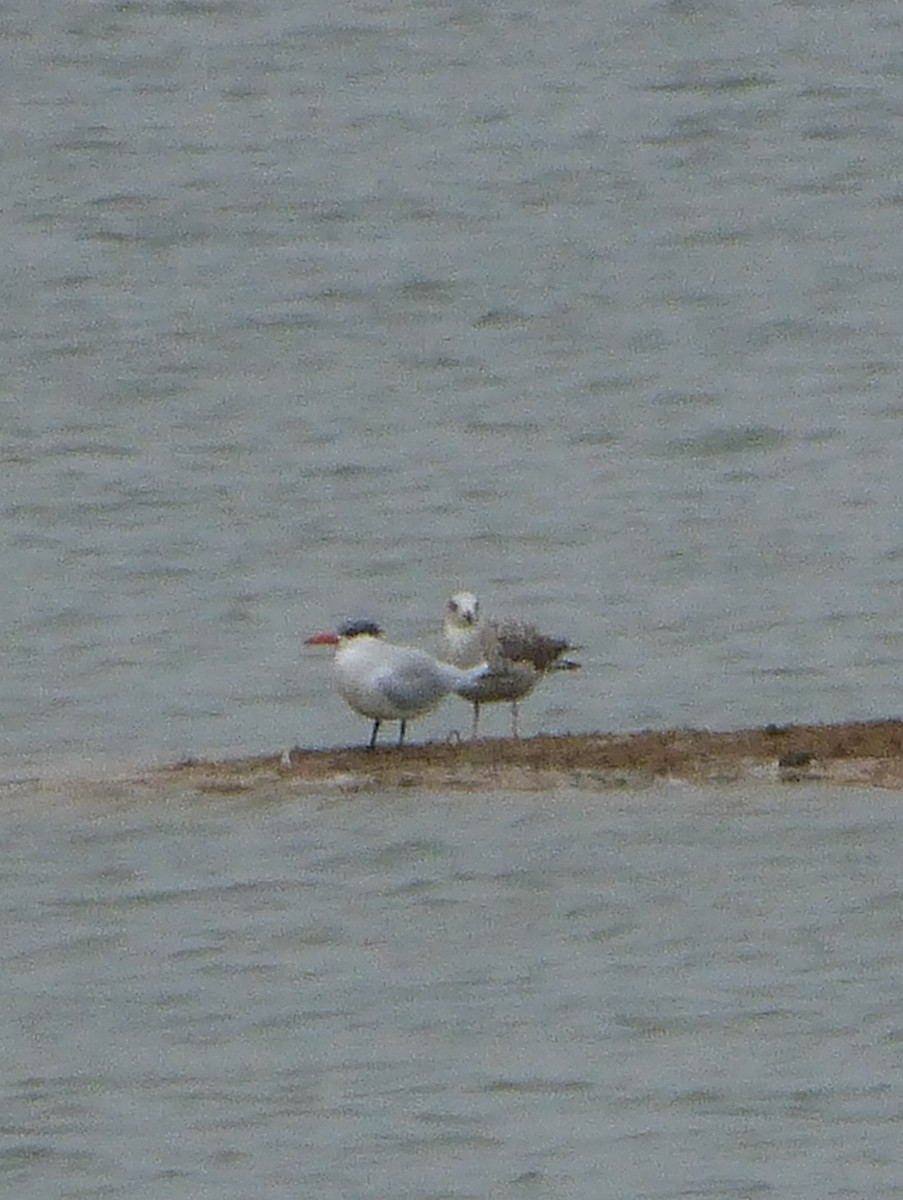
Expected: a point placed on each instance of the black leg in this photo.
(401, 734)
(476, 720)
(372, 743)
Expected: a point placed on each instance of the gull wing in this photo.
(519, 641)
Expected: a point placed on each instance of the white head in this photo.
(462, 610)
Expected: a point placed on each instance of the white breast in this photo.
(390, 683)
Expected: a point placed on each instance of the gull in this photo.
(387, 682)
(518, 654)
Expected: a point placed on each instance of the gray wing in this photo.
(416, 682)
(518, 641)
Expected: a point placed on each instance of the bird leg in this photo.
(401, 734)
(372, 743)
(515, 732)
(476, 720)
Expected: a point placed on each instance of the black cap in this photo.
(350, 629)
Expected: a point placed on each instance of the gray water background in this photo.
(313, 311)
(674, 993)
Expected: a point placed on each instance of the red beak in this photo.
(322, 639)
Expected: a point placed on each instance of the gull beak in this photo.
(322, 639)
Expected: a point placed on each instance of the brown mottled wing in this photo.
(518, 641)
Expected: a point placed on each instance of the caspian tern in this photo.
(518, 654)
(387, 682)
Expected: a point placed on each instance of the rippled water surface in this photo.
(312, 311)
(658, 994)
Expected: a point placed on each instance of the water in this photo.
(317, 313)
(655, 994)
(311, 312)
